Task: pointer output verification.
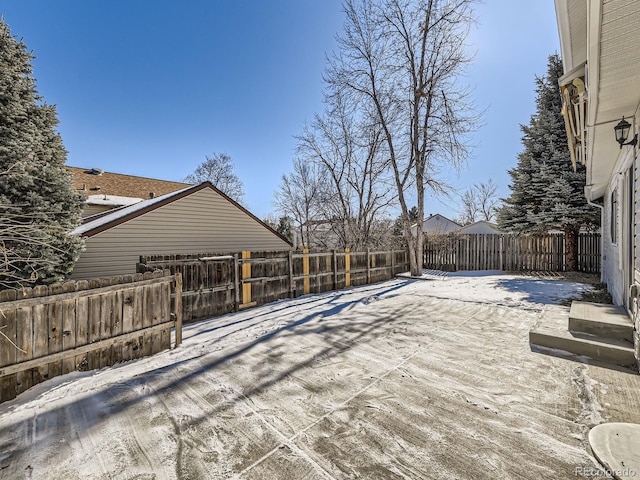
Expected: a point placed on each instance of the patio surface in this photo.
(429, 378)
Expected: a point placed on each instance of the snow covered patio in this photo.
(430, 378)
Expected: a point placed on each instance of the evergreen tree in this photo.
(546, 193)
(38, 205)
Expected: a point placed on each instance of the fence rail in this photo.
(50, 331)
(510, 252)
(215, 284)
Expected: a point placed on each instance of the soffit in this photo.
(578, 31)
(617, 81)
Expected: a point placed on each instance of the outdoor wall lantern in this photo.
(622, 133)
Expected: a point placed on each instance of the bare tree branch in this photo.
(218, 169)
(402, 60)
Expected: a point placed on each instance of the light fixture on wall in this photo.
(622, 133)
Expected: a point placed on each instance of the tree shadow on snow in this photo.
(334, 337)
(543, 291)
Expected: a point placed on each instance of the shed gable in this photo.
(203, 221)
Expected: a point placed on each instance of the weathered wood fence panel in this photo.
(509, 252)
(207, 281)
(589, 253)
(215, 284)
(49, 331)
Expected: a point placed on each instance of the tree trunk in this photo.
(571, 249)
(419, 255)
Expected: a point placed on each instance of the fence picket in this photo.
(78, 326)
(510, 252)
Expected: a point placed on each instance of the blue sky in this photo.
(149, 88)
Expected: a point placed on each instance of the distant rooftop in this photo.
(95, 181)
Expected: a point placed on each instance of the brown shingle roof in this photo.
(87, 181)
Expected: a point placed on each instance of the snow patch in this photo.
(591, 409)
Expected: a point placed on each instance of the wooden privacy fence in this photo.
(50, 331)
(215, 284)
(510, 252)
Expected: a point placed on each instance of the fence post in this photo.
(178, 307)
(368, 265)
(236, 282)
(393, 263)
(335, 270)
(347, 268)
(305, 271)
(246, 274)
(290, 273)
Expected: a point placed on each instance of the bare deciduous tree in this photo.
(402, 60)
(350, 150)
(480, 202)
(218, 169)
(299, 197)
(488, 202)
(469, 212)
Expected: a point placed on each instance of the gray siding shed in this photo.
(194, 220)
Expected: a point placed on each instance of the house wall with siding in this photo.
(201, 222)
(612, 275)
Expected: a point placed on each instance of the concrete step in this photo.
(551, 333)
(601, 320)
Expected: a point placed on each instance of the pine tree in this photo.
(545, 191)
(38, 205)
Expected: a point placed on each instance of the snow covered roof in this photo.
(112, 200)
(122, 214)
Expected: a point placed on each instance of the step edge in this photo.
(567, 336)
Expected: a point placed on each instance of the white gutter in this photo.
(592, 74)
(564, 34)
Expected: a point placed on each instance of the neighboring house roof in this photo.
(437, 224)
(95, 182)
(481, 227)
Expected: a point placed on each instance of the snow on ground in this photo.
(410, 378)
(494, 286)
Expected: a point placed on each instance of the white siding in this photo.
(612, 275)
(203, 222)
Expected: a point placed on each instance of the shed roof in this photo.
(101, 222)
